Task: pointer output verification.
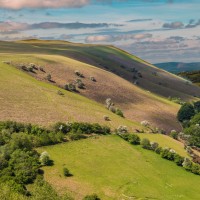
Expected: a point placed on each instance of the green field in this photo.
(114, 169)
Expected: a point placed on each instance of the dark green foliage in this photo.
(119, 112)
(66, 172)
(195, 120)
(80, 84)
(76, 136)
(174, 135)
(186, 112)
(194, 135)
(178, 159)
(131, 138)
(91, 197)
(195, 169)
(167, 154)
(70, 87)
(146, 143)
(197, 106)
(62, 127)
(158, 150)
(49, 77)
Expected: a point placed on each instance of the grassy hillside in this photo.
(114, 169)
(23, 94)
(25, 99)
(111, 59)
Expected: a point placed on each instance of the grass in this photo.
(114, 169)
(137, 104)
(25, 99)
(109, 58)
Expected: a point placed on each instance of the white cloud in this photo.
(113, 38)
(19, 4)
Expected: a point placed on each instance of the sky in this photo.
(155, 30)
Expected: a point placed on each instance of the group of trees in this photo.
(189, 116)
(20, 163)
(165, 153)
(111, 106)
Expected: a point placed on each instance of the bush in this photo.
(76, 136)
(195, 169)
(122, 129)
(45, 159)
(194, 135)
(134, 139)
(178, 159)
(70, 87)
(91, 197)
(79, 74)
(146, 143)
(174, 134)
(119, 112)
(66, 172)
(195, 120)
(187, 164)
(197, 106)
(92, 79)
(158, 150)
(186, 112)
(154, 145)
(80, 84)
(49, 77)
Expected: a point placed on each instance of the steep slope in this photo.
(125, 172)
(114, 60)
(25, 99)
(137, 104)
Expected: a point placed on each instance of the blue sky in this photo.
(156, 30)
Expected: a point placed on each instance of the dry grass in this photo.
(137, 104)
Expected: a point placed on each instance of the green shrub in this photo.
(146, 143)
(195, 169)
(154, 145)
(197, 106)
(158, 150)
(186, 112)
(187, 164)
(119, 112)
(76, 136)
(66, 172)
(45, 159)
(178, 159)
(174, 134)
(134, 139)
(49, 77)
(91, 197)
(70, 87)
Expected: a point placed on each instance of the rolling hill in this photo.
(125, 172)
(110, 59)
(27, 99)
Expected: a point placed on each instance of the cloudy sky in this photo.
(155, 30)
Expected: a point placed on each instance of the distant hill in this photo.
(177, 67)
(193, 76)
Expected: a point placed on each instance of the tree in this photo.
(146, 143)
(197, 106)
(49, 77)
(119, 112)
(45, 158)
(186, 112)
(187, 164)
(66, 172)
(134, 139)
(178, 159)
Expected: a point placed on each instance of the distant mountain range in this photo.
(177, 67)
